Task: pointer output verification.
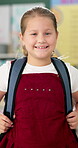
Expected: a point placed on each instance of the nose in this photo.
(41, 38)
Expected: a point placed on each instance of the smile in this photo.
(41, 47)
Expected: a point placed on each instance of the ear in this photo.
(21, 38)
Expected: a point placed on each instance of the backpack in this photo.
(14, 78)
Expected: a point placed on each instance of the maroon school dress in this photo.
(40, 114)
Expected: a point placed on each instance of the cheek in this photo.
(29, 40)
(26, 41)
(28, 44)
(53, 41)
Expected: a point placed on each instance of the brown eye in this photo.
(34, 34)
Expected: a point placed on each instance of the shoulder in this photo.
(4, 75)
(73, 72)
(5, 67)
(71, 69)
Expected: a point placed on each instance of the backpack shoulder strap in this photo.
(64, 74)
(15, 74)
(14, 77)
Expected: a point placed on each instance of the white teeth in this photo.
(41, 47)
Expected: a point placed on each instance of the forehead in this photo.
(38, 21)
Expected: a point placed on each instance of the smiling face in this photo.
(39, 39)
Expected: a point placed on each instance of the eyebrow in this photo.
(37, 30)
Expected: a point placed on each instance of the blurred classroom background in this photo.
(66, 12)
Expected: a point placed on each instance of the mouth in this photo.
(41, 47)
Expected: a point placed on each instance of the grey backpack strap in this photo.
(15, 75)
(64, 74)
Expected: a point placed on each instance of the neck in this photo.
(39, 62)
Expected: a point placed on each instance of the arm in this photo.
(72, 118)
(75, 96)
(2, 94)
(5, 122)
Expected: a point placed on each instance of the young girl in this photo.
(40, 120)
